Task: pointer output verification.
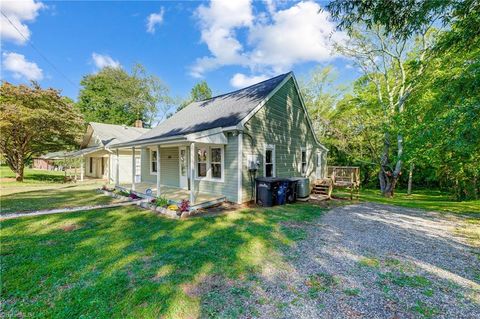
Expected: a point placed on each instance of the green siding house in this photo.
(204, 152)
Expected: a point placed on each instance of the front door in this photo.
(183, 166)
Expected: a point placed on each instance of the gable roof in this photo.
(220, 111)
(109, 134)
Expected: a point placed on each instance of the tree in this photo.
(34, 121)
(114, 96)
(200, 91)
(435, 123)
(346, 122)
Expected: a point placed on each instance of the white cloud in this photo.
(18, 12)
(20, 67)
(218, 22)
(301, 33)
(240, 80)
(154, 19)
(103, 60)
(277, 39)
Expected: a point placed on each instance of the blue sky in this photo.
(230, 44)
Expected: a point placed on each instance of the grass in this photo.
(321, 282)
(130, 263)
(45, 190)
(424, 199)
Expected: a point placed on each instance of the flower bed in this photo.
(119, 194)
(168, 208)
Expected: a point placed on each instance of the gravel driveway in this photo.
(375, 261)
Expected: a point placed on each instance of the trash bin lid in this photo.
(269, 179)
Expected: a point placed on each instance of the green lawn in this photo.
(423, 199)
(130, 263)
(45, 190)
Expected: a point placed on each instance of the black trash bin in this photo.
(292, 189)
(267, 190)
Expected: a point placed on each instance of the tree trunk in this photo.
(388, 179)
(19, 169)
(410, 178)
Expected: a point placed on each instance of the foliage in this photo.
(161, 201)
(35, 121)
(117, 97)
(184, 205)
(200, 91)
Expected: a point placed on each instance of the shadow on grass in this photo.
(131, 263)
(68, 196)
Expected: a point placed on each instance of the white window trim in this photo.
(150, 161)
(274, 168)
(209, 177)
(304, 149)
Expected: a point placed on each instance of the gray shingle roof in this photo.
(220, 111)
(112, 134)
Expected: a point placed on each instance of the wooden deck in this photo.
(176, 194)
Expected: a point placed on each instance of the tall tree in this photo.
(114, 96)
(200, 91)
(34, 121)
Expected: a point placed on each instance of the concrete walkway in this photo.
(65, 210)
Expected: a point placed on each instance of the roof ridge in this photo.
(247, 87)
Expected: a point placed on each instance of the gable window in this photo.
(153, 161)
(304, 161)
(202, 162)
(269, 166)
(209, 163)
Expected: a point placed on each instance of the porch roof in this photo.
(84, 151)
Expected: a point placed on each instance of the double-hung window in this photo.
(153, 162)
(269, 167)
(304, 161)
(216, 162)
(210, 163)
(202, 160)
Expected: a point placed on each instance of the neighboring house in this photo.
(209, 146)
(97, 160)
(47, 161)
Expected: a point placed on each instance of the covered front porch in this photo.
(145, 189)
(186, 168)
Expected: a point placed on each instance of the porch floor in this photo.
(175, 193)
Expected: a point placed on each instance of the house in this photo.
(96, 156)
(205, 152)
(47, 161)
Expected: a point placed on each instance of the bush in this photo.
(161, 201)
(184, 206)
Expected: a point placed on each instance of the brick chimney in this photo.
(138, 123)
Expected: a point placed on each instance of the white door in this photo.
(183, 167)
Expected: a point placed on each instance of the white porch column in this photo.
(192, 174)
(81, 168)
(133, 168)
(117, 170)
(158, 171)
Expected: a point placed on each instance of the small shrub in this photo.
(184, 206)
(161, 201)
